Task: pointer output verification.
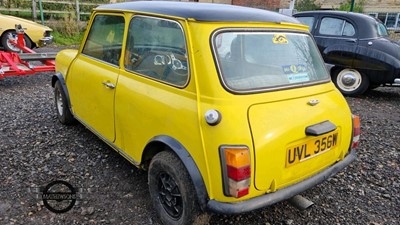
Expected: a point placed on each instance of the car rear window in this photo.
(251, 61)
(382, 31)
(309, 21)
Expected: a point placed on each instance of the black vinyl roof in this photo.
(201, 11)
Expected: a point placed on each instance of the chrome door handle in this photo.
(351, 40)
(108, 85)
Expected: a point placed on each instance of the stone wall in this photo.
(394, 36)
(369, 5)
(216, 1)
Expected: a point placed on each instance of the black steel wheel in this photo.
(171, 190)
(63, 112)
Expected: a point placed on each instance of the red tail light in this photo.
(236, 170)
(356, 131)
(239, 174)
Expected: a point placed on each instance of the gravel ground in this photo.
(36, 149)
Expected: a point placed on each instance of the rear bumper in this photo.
(282, 194)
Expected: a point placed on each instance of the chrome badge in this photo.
(313, 102)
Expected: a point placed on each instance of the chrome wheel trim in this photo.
(11, 36)
(349, 80)
(59, 103)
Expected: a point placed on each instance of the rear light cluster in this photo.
(236, 170)
(356, 131)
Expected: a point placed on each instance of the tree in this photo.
(358, 7)
(307, 5)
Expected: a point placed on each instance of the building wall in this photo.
(369, 5)
(261, 4)
(216, 1)
(388, 11)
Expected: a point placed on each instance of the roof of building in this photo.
(201, 11)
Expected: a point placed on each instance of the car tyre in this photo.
(63, 112)
(373, 86)
(172, 190)
(350, 81)
(5, 41)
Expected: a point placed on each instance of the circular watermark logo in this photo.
(59, 196)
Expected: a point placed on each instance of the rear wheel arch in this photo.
(166, 143)
(349, 81)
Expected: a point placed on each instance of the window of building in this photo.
(382, 17)
(391, 20)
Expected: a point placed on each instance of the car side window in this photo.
(105, 37)
(309, 21)
(156, 48)
(348, 29)
(336, 27)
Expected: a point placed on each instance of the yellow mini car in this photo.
(230, 109)
(36, 35)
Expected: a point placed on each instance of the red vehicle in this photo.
(15, 64)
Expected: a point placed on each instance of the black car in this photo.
(358, 48)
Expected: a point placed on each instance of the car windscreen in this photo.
(382, 31)
(254, 61)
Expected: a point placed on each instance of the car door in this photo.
(153, 97)
(337, 41)
(93, 76)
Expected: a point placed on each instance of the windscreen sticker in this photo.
(110, 36)
(296, 73)
(280, 39)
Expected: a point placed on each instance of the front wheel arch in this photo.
(60, 90)
(166, 143)
(28, 41)
(59, 77)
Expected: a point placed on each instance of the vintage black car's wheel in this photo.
(171, 190)
(350, 82)
(7, 36)
(63, 113)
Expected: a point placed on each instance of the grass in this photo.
(67, 31)
(62, 39)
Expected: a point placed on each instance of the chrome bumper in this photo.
(45, 41)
